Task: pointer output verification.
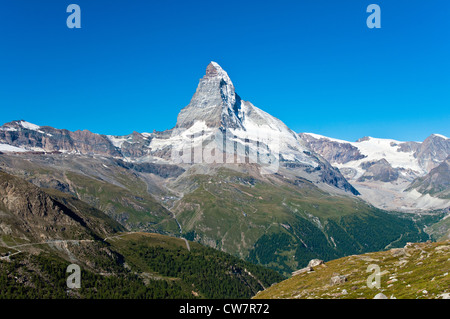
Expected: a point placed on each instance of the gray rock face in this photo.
(333, 151)
(332, 176)
(407, 147)
(162, 170)
(215, 102)
(379, 171)
(436, 182)
(433, 151)
(52, 183)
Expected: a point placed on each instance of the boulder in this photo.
(380, 296)
(315, 262)
(339, 279)
(312, 263)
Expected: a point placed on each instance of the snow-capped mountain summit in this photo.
(219, 127)
(387, 172)
(414, 158)
(217, 112)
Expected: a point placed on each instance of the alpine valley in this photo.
(230, 190)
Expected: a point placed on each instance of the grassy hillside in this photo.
(417, 271)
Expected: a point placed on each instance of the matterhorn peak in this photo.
(217, 112)
(215, 70)
(215, 101)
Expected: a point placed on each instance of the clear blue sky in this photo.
(314, 64)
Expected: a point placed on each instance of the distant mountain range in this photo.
(233, 177)
(391, 174)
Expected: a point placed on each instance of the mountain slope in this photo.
(436, 182)
(43, 231)
(33, 214)
(119, 189)
(209, 273)
(283, 223)
(33, 221)
(152, 266)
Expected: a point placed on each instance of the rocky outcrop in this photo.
(315, 262)
(333, 151)
(379, 171)
(312, 263)
(332, 176)
(135, 145)
(338, 279)
(433, 151)
(408, 147)
(436, 182)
